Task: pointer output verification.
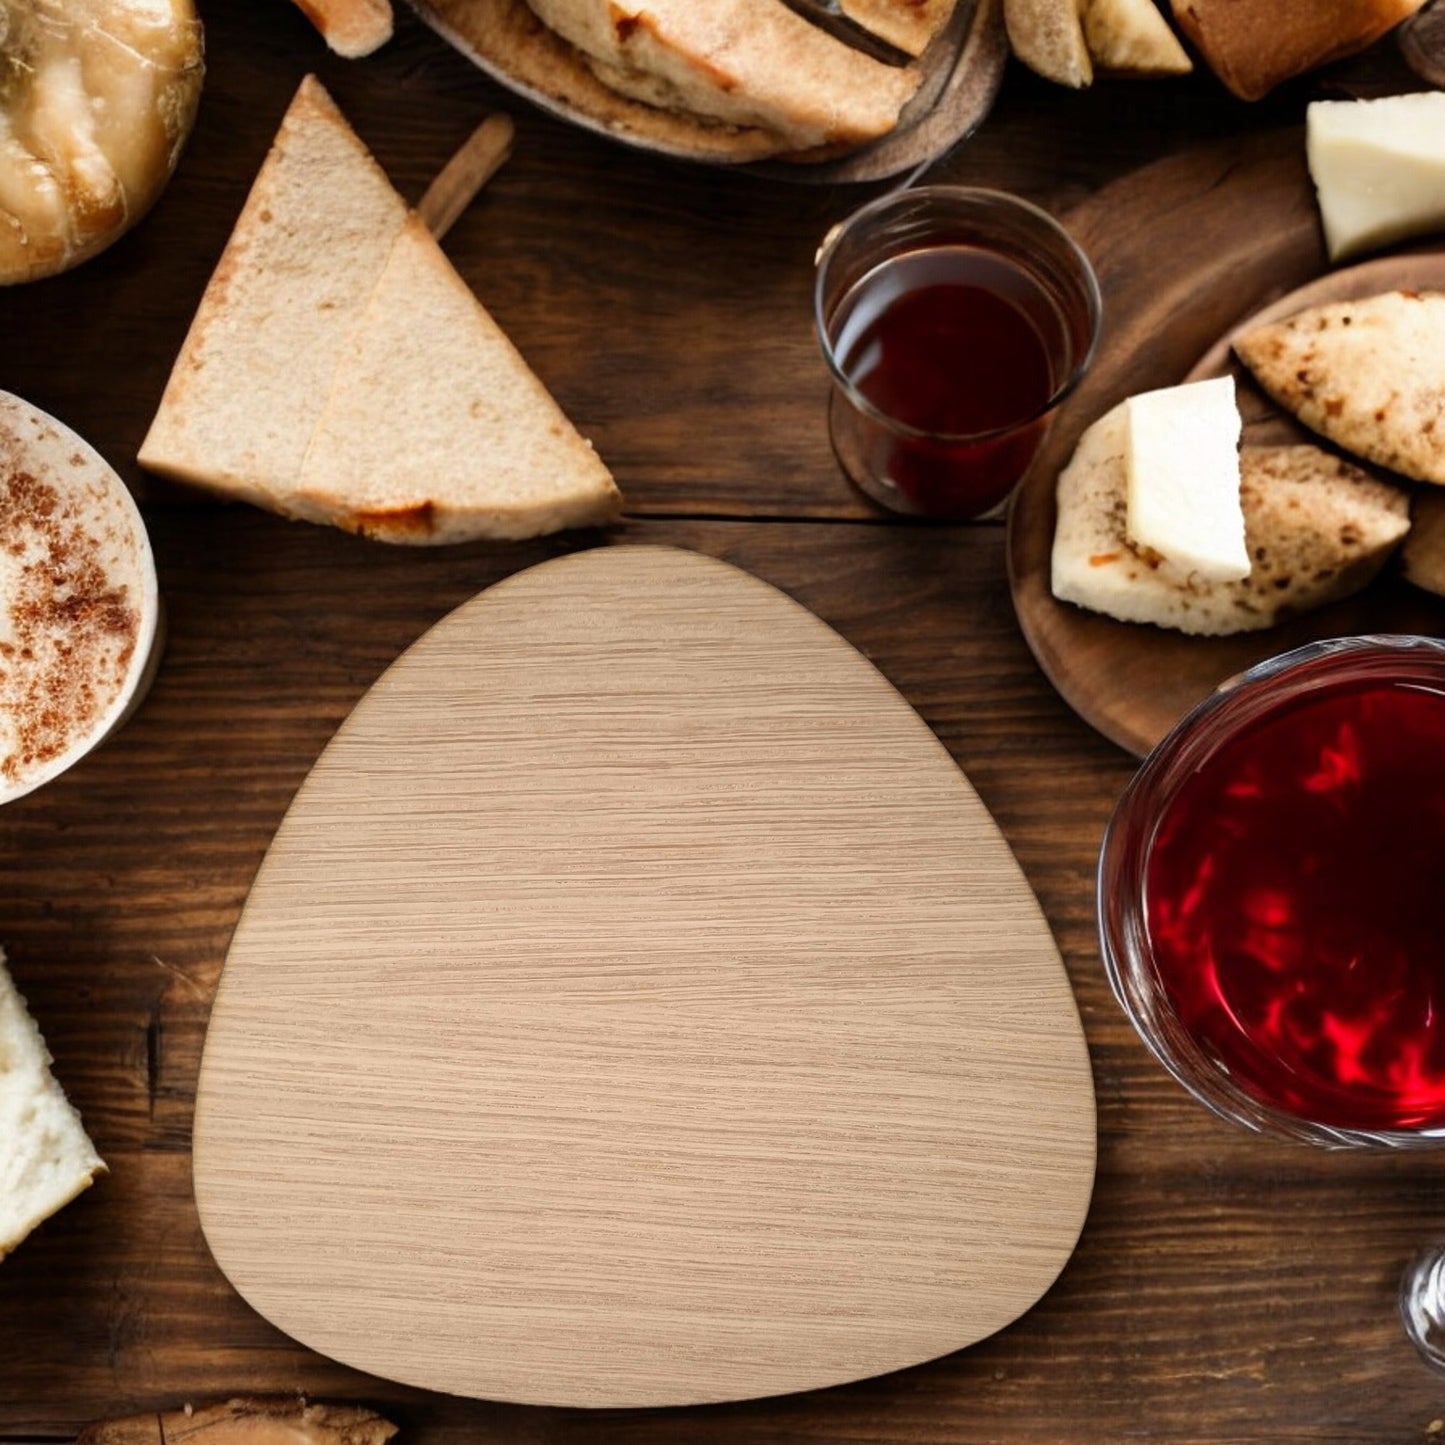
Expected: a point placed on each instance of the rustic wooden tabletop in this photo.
(1225, 1288)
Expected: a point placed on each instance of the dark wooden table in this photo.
(1225, 1288)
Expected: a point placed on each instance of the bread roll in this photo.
(96, 99)
(1253, 45)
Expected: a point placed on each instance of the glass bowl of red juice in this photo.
(1271, 895)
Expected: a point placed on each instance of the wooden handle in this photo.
(483, 155)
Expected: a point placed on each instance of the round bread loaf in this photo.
(96, 99)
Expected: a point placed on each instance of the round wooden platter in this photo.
(1189, 252)
(961, 74)
(638, 1007)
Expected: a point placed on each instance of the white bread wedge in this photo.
(435, 430)
(249, 385)
(340, 371)
(745, 63)
(352, 28)
(46, 1157)
(1132, 37)
(1317, 529)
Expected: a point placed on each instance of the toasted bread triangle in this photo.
(435, 430)
(250, 382)
(341, 371)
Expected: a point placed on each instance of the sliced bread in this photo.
(46, 1157)
(341, 371)
(749, 63)
(1316, 527)
(252, 378)
(484, 451)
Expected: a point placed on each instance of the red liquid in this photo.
(1295, 899)
(950, 341)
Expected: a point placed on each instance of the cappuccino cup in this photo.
(79, 604)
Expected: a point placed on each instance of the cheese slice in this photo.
(1378, 168)
(46, 1159)
(1182, 453)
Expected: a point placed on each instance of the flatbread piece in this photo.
(1317, 529)
(506, 39)
(1369, 375)
(910, 25)
(749, 63)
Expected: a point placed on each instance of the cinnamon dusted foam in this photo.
(77, 597)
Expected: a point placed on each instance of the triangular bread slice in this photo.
(251, 379)
(744, 62)
(909, 25)
(46, 1157)
(1317, 529)
(1369, 375)
(435, 430)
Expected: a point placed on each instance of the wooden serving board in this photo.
(1187, 252)
(636, 1007)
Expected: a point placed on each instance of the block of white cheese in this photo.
(1182, 455)
(1378, 168)
(46, 1158)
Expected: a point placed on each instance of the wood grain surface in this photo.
(638, 1007)
(1193, 250)
(1225, 1289)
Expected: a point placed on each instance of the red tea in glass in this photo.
(954, 321)
(1272, 894)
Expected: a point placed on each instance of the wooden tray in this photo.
(962, 72)
(636, 1007)
(1188, 251)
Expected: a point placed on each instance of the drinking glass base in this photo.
(1422, 1304)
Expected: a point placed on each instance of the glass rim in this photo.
(1084, 267)
(1122, 929)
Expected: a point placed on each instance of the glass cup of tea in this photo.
(953, 322)
(1269, 895)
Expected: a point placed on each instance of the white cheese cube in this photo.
(1182, 454)
(1378, 168)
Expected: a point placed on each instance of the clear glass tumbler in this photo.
(953, 322)
(1268, 903)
